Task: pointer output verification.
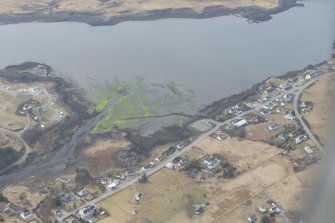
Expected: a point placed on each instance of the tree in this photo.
(3, 198)
(143, 179)
(58, 202)
(267, 219)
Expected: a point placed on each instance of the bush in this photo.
(57, 202)
(3, 198)
(267, 219)
(83, 177)
(143, 179)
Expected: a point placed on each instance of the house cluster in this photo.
(239, 108)
(28, 107)
(284, 100)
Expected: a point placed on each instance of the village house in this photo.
(265, 112)
(160, 158)
(252, 218)
(26, 215)
(299, 139)
(138, 196)
(114, 183)
(210, 162)
(269, 106)
(289, 116)
(273, 127)
(314, 75)
(285, 86)
(82, 192)
(148, 166)
(86, 212)
(283, 136)
(240, 123)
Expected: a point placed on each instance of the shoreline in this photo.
(251, 13)
(141, 146)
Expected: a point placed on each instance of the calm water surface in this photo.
(215, 57)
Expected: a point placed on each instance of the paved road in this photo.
(299, 117)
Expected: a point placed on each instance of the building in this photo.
(289, 116)
(115, 182)
(273, 127)
(26, 215)
(285, 86)
(299, 139)
(148, 166)
(240, 123)
(314, 75)
(170, 166)
(82, 192)
(160, 158)
(87, 212)
(139, 196)
(252, 218)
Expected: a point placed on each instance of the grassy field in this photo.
(165, 195)
(117, 7)
(8, 117)
(322, 95)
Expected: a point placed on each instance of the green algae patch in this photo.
(142, 101)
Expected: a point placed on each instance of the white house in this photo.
(26, 215)
(299, 139)
(240, 123)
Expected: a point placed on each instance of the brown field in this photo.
(169, 195)
(12, 98)
(119, 7)
(7, 140)
(244, 154)
(165, 195)
(99, 158)
(22, 196)
(322, 95)
(8, 118)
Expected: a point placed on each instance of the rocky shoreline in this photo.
(252, 13)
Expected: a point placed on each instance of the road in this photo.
(299, 117)
(161, 165)
(23, 158)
